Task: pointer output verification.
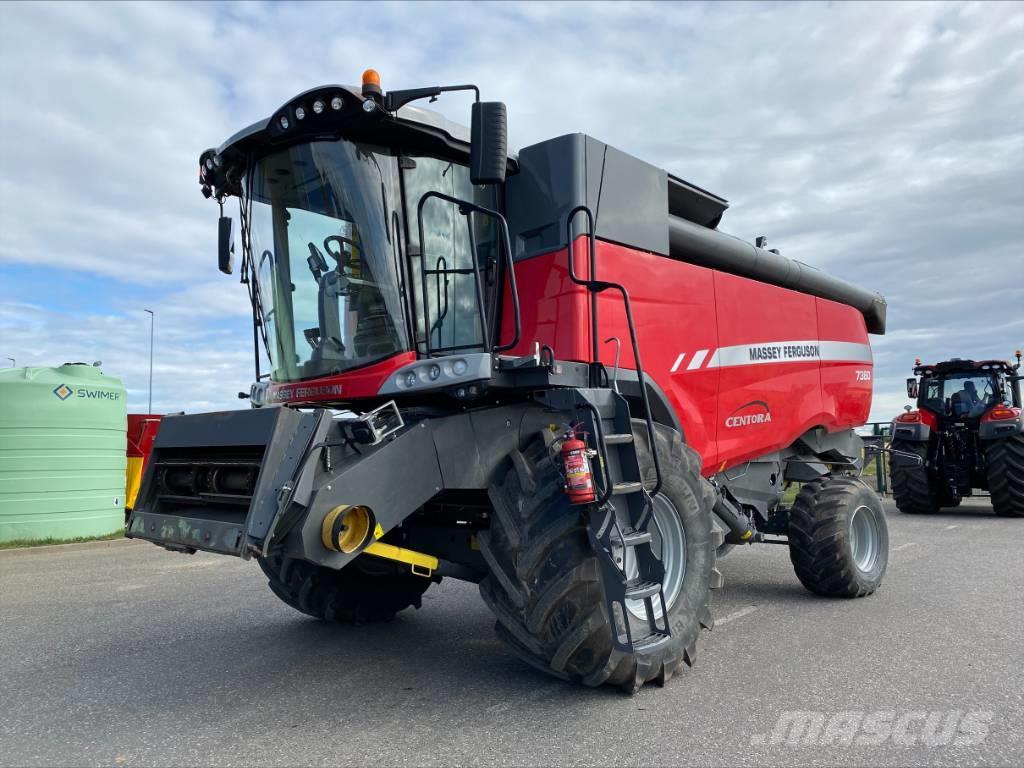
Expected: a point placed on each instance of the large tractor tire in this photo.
(913, 489)
(368, 589)
(544, 584)
(1004, 464)
(838, 538)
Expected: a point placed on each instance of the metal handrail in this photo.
(466, 208)
(595, 286)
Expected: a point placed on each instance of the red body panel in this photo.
(362, 382)
(748, 367)
(142, 429)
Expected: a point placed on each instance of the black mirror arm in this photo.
(395, 100)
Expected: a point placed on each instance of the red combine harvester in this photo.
(456, 387)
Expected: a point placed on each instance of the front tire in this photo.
(838, 538)
(544, 583)
(913, 489)
(367, 589)
(1004, 464)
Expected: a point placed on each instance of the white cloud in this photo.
(880, 142)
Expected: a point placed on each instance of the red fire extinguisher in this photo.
(579, 482)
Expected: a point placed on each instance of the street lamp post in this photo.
(152, 319)
(13, 361)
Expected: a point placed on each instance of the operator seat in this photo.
(375, 331)
(960, 404)
(957, 406)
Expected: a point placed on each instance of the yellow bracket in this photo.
(422, 565)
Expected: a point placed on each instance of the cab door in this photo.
(451, 309)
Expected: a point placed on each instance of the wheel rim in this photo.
(668, 540)
(864, 538)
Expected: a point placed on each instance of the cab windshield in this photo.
(324, 231)
(965, 395)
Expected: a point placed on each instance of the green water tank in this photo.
(62, 452)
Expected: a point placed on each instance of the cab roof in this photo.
(957, 365)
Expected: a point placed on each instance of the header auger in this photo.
(456, 387)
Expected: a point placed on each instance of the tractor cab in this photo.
(965, 434)
(964, 390)
(371, 237)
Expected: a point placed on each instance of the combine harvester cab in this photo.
(549, 374)
(966, 433)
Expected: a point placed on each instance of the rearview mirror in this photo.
(912, 389)
(225, 245)
(488, 150)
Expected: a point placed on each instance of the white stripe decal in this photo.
(698, 358)
(679, 361)
(791, 352)
(811, 351)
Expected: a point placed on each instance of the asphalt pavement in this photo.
(125, 654)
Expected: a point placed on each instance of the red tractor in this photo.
(967, 432)
(456, 387)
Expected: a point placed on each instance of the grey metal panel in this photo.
(835, 447)
(251, 426)
(393, 479)
(628, 196)
(478, 368)
(690, 202)
(471, 446)
(915, 432)
(994, 430)
(284, 458)
(180, 532)
(709, 248)
(551, 182)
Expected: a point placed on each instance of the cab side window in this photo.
(453, 311)
(932, 399)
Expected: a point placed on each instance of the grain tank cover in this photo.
(645, 208)
(62, 452)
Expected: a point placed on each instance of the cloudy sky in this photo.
(881, 142)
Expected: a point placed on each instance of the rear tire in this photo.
(913, 489)
(1004, 464)
(544, 583)
(838, 538)
(367, 589)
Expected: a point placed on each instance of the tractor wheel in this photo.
(544, 585)
(1004, 464)
(367, 589)
(838, 538)
(913, 490)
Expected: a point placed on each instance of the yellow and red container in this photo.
(142, 428)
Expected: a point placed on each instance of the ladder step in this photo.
(650, 642)
(642, 589)
(618, 439)
(635, 538)
(621, 488)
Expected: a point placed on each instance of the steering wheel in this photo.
(341, 257)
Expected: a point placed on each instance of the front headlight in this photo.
(258, 394)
